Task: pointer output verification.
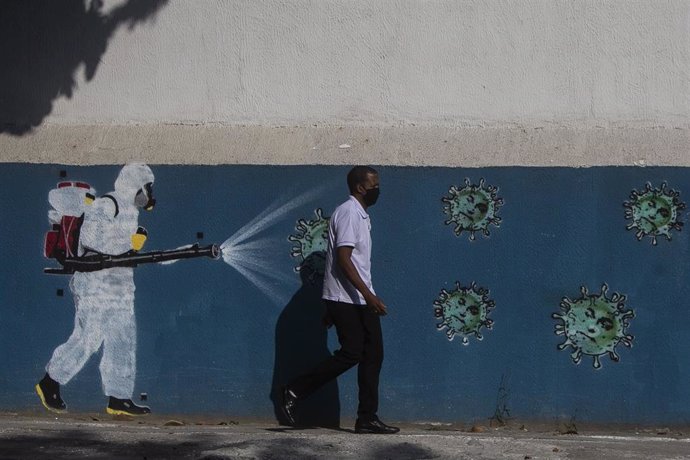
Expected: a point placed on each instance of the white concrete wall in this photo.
(562, 81)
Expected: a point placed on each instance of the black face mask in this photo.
(371, 196)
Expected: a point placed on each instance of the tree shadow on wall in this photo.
(301, 343)
(44, 43)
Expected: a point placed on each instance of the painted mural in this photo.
(464, 311)
(594, 325)
(211, 344)
(309, 245)
(654, 212)
(98, 241)
(472, 208)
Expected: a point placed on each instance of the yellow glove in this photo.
(139, 238)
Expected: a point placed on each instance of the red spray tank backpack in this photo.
(69, 201)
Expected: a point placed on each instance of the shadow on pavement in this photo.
(299, 448)
(82, 444)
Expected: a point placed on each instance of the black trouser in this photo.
(361, 342)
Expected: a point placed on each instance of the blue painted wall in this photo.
(210, 341)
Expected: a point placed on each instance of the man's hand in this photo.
(344, 260)
(327, 319)
(377, 305)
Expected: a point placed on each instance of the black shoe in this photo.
(288, 404)
(49, 392)
(375, 426)
(125, 407)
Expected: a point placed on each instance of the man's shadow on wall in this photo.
(43, 44)
(301, 343)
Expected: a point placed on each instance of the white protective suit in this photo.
(104, 299)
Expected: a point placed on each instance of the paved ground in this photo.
(37, 436)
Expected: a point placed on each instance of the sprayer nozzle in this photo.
(216, 251)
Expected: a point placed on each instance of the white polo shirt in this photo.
(349, 226)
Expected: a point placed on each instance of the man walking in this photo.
(352, 305)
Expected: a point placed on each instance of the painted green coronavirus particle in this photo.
(464, 311)
(472, 208)
(654, 212)
(594, 325)
(309, 245)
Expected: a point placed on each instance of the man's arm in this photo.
(344, 254)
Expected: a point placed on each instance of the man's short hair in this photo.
(358, 175)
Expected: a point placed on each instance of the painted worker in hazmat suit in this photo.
(104, 299)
